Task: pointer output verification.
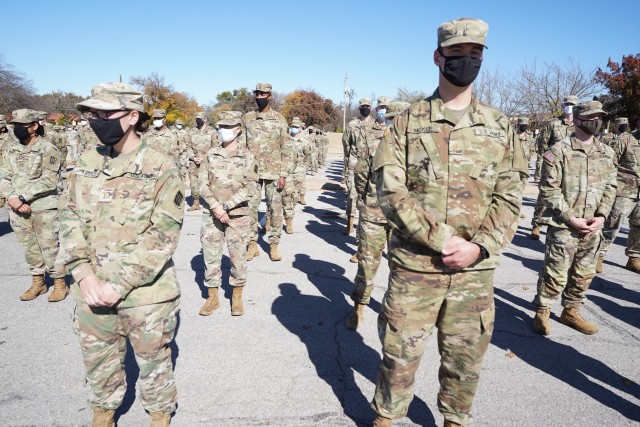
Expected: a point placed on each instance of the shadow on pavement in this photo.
(197, 265)
(613, 290)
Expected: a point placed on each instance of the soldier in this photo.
(627, 203)
(124, 210)
(314, 150)
(232, 179)
(58, 137)
(184, 141)
(266, 133)
(556, 130)
(578, 188)
(527, 141)
(373, 228)
(29, 179)
(5, 141)
(450, 175)
(203, 138)
(163, 138)
(354, 130)
(295, 150)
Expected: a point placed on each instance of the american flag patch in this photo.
(550, 157)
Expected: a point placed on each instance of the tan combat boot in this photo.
(541, 321)
(195, 206)
(356, 317)
(60, 290)
(302, 200)
(274, 253)
(572, 318)
(267, 224)
(599, 266)
(349, 226)
(381, 421)
(159, 419)
(289, 227)
(633, 265)
(212, 303)
(252, 250)
(448, 423)
(354, 258)
(37, 288)
(103, 417)
(535, 233)
(237, 307)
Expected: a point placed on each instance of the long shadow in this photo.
(330, 231)
(336, 352)
(626, 314)
(614, 290)
(521, 240)
(197, 265)
(5, 227)
(513, 332)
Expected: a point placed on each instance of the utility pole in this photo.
(344, 103)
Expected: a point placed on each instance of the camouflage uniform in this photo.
(527, 141)
(6, 139)
(295, 150)
(184, 141)
(313, 138)
(33, 173)
(438, 179)
(87, 139)
(627, 203)
(202, 140)
(58, 138)
(577, 181)
(122, 219)
(164, 139)
(266, 133)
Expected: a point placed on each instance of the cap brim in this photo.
(228, 123)
(462, 39)
(98, 104)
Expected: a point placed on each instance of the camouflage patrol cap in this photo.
(159, 112)
(588, 108)
(384, 100)
(364, 101)
(24, 115)
(179, 122)
(42, 115)
(201, 115)
(571, 99)
(229, 118)
(263, 87)
(113, 96)
(310, 128)
(523, 120)
(396, 107)
(463, 30)
(296, 122)
(622, 121)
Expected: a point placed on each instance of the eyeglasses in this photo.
(107, 115)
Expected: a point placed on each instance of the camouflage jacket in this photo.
(627, 149)
(355, 131)
(201, 141)
(556, 130)
(296, 152)
(528, 144)
(436, 180)
(6, 139)
(232, 177)
(59, 140)
(122, 222)
(266, 133)
(577, 181)
(165, 140)
(87, 139)
(31, 171)
(364, 178)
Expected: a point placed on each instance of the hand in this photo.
(218, 211)
(25, 209)
(579, 224)
(91, 291)
(14, 203)
(109, 296)
(197, 160)
(595, 224)
(224, 218)
(459, 253)
(281, 183)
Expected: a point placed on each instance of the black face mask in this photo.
(523, 128)
(199, 123)
(590, 127)
(109, 132)
(365, 111)
(21, 132)
(262, 102)
(462, 70)
(623, 128)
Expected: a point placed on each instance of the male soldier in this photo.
(5, 140)
(184, 140)
(527, 141)
(450, 178)
(295, 150)
(627, 203)
(29, 178)
(163, 138)
(373, 228)
(266, 133)
(313, 167)
(578, 188)
(203, 138)
(556, 130)
(87, 139)
(354, 131)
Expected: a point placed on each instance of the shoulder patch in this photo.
(178, 199)
(550, 157)
(51, 160)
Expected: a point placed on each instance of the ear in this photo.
(436, 58)
(134, 116)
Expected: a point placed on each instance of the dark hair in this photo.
(40, 130)
(143, 122)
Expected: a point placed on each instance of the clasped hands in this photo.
(97, 293)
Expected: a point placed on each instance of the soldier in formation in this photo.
(162, 137)
(202, 139)
(6, 139)
(295, 151)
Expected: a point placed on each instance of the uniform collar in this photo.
(472, 117)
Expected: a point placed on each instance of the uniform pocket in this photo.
(391, 323)
(487, 319)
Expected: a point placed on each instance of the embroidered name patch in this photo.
(427, 129)
(489, 132)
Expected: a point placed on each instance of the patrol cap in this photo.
(201, 115)
(159, 112)
(310, 127)
(523, 120)
(179, 122)
(25, 115)
(263, 87)
(588, 108)
(229, 118)
(622, 121)
(384, 100)
(296, 122)
(571, 99)
(113, 96)
(462, 30)
(42, 115)
(364, 101)
(395, 107)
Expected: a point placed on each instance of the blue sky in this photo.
(206, 47)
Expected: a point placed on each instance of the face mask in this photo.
(109, 132)
(568, 109)
(179, 126)
(262, 102)
(226, 135)
(294, 131)
(622, 128)
(462, 70)
(388, 122)
(21, 132)
(83, 122)
(158, 123)
(365, 111)
(590, 127)
(381, 113)
(200, 122)
(523, 128)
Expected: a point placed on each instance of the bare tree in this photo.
(406, 95)
(16, 91)
(496, 88)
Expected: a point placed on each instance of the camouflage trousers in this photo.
(538, 171)
(314, 161)
(352, 196)
(569, 266)
(461, 305)
(274, 207)
(38, 234)
(322, 153)
(372, 238)
(537, 212)
(195, 179)
(292, 191)
(623, 207)
(103, 332)
(213, 234)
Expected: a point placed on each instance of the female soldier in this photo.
(232, 178)
(120, 227)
